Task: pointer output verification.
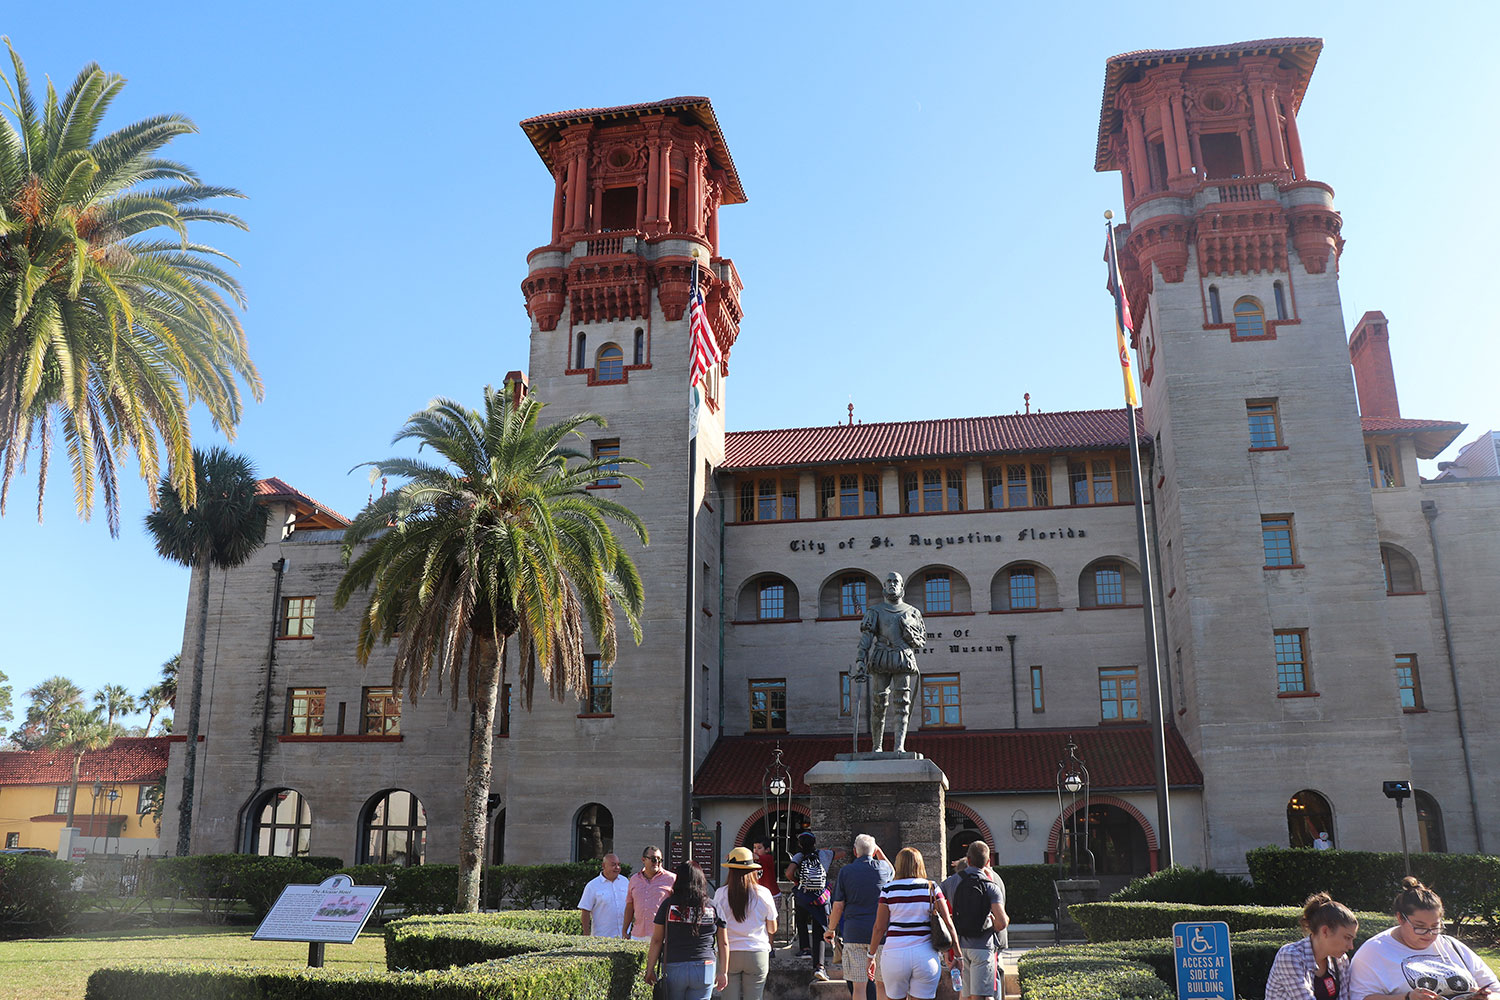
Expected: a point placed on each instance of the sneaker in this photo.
(805, 953)
(819, 976)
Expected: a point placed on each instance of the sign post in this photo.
(1201, 950)
(335, 910)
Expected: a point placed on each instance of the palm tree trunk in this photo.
(195, 702)
(471, 837)
(150, 720)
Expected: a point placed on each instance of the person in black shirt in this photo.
(690, 939)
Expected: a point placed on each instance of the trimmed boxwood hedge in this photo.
(1369, 880)
(1180, 884)
(1028, 892)
(465, 939)
(533, 966)
(1111, 921)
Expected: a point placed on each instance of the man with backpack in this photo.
(977, 898)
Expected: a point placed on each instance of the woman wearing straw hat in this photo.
(749, 913)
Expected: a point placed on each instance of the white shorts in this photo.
(914, 969)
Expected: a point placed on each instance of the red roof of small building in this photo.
(133, 759)
(543, 130)
(917, 439)
(312, 513)
(1429, 436)
(1300, 53)
(1024, 760)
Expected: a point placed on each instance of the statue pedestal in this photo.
(898, 800)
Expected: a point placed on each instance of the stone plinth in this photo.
(897, 800)
(1070, 891)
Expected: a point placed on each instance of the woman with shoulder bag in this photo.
(910, 923)
(690, 939)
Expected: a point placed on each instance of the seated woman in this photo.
(1317, 966)
(1415, 960)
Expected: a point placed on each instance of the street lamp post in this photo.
(1399, 791)
(1073, 778)
(776, 784)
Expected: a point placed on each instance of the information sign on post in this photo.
(1204, 971)
(332, 912)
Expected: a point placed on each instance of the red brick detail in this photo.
(1374, 376)
(545, 292)
(1161, 241)
(1250, 237)
(1054, 836)
(1315, 234)
(979, 824)
(760, 814)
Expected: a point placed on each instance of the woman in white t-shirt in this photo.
(901, 943)
(749, 913)
(1415, 960)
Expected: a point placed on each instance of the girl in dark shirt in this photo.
(696, 959)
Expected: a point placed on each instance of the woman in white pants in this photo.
(901, 943)
(749, 913)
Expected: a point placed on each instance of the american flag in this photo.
(704, 350)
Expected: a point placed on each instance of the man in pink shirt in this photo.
(648, 888)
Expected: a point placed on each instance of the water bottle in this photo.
(958, 979)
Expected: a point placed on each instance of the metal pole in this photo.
(315, 954)
(1015, 692)
(690, 570)
(1401, 820)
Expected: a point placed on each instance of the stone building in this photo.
(1324, 612)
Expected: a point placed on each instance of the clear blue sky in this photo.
(920, 181)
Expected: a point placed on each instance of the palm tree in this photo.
(161, 695)
(500, 539)
(221, 528)
(78, 732)
(115, 322)
(50, 701)
(115, 700)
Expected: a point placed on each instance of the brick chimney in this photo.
(1370, 351)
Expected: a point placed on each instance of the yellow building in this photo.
(115, 812)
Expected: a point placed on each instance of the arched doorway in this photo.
(281, 824)
(497, 839)
(962, 831)
(593, 833)
(767, 828)
(1430, 823)
(1117, 842)
(1307, 815)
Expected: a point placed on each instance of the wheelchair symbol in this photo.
(1198, 943)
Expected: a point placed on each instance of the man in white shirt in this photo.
(602, 905)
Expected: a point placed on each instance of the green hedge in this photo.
(219, 879)
(36, 896)
(539, 967)
(466, 939)
(1369, 880)
(1111, 921)
(1028, 892)
(1179, 884)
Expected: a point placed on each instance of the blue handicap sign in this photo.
(1204, 971)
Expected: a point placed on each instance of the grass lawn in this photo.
(59, 968)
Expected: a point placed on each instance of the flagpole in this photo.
(689, 675)
(1148, 579)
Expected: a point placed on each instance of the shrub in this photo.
(463, 939)
(1112, 921)
(36, 896)
(218, 880)
(1075, 974)
(1178, 884)
(1028, 892)
(550, 886)
(1369, 880)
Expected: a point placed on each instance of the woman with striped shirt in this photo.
(901, 943)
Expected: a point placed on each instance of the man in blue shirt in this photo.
(856, 896)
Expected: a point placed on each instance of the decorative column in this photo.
(598, 220)
(1169, 141)
(559, 199)
(1136, 141)
(653, 177)
(1273, 121)
(1295, 142)
(1179, 126)
(664, 186)
(1266, 159)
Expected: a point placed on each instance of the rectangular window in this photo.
(382, 715)
(504, 711)
(1109, 585)
(940, 702)
(1118, 697)
(1016, 484)
(848, 494)
(297, 617)
(773, 600)
(789, 499)
(304, 711)
(61, 800)
(1104, 480)
(1038, 699)
(145, 799)
(1408, 682)
(1100, 480)
(607, 452)
(852, 596)
(601, 687)
(1291, 660)
(1276, 539)
(937, 592)
(846, 694)
(1265, 423)
(1385, 473)
(13, 840)
(769, 494)
(1022, 589)
(768, 705)
(932, 490)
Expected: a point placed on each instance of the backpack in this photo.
(812, 880)
(971, 907)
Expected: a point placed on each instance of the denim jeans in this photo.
(690, 980)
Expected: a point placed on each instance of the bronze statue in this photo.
(890, 635)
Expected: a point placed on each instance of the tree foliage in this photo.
(113, 320)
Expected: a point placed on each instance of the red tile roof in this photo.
(1118, 758)
(1300, 53)
(543, 130)
(959, 436)
(1430, 436)
(136, 759)
(280, 489)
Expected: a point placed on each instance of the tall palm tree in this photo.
(50, 701)
(115, 699)
(160, 695)
(499, 539)
(220, 528)
(78, 732)
(114, 321)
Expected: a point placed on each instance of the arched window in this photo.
(853, 595)
(395, 829)
(1430, 823)
(961, 832)
(1215, 310)
(1109, 583)
(772, 600)
(767, 598)
(846, 594)
(639, 354)
(593, 833)
(937, 592)
(1249, 318)
(1023, 587)
(497, 837)
(611, 363)
(1280, 291)
(581, 355)
(1400, 571)
(281, 825)
(1307, 815)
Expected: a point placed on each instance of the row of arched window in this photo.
(392, 825)
(1016, 587)
(609, 359)
(1249, 313)
(1309, 815)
